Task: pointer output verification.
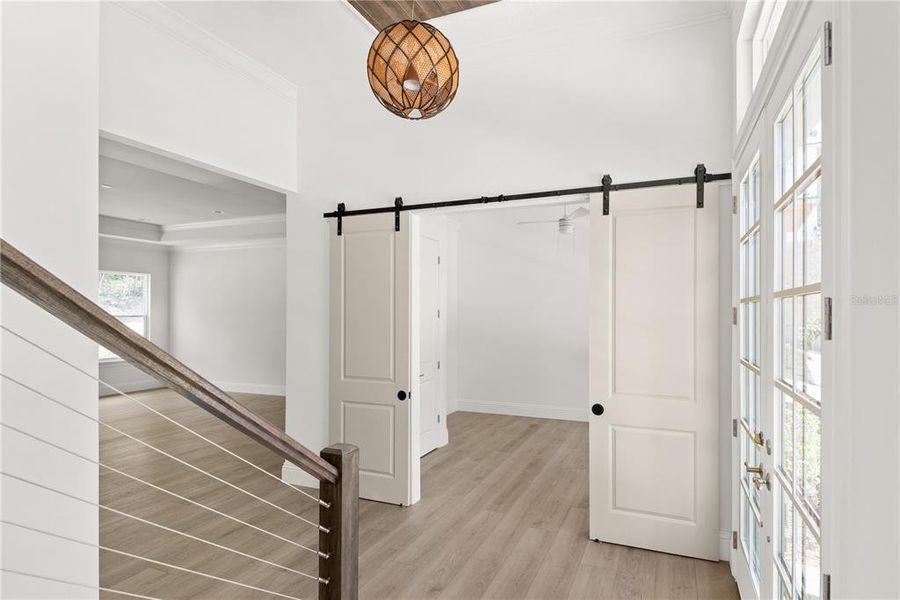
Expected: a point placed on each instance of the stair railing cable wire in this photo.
(336, 468)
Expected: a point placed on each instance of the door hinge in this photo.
(439, 313)
(734, 205)
(827, 44)
(827, 320)
(826, 586)
(734, 540)
(439, 418)
(439, 260)
(734, 315)
(734, 428)
(439, 365)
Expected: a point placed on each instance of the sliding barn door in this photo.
(372, 330)
(654, 357)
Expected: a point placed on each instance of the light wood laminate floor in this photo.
(503, 515)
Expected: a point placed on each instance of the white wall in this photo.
(177, 89)
(523, 314)
(134, 257)
(533, 112)
(49, 212)
(862, 471)
(228, 315)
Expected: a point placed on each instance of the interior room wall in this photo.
(228, 308)
(49, 211)
(353, 151)
(862, 469)
(135, 257)
(176, 88)
(523, 297)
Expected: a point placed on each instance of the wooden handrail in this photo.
(31, 280)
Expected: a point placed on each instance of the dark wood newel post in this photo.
(341, 518)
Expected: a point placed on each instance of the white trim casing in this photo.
(725, 545)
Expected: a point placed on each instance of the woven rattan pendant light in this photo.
(413, 69)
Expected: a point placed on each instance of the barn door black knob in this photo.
(401, 395)
(597, 409)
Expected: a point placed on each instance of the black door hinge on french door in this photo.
(827, 317)
(826, 586)
(827, 44)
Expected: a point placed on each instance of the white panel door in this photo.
(373, 305)
(654, 356)
(429, 344)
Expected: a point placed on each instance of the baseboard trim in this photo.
(294, 475)
(725, 546)
(523, 410)
(127, 387)
(252, 388)
(151, 384)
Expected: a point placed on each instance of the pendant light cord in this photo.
(412, 16)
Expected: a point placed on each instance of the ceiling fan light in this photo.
(566, 227)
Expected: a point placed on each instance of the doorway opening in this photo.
(513, 337)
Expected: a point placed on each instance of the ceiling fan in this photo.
(566, 224)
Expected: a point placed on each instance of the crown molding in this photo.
(126, 229)
(237, 222)
(244, 232)
(369, 27)
(216, 50)
(232, 245)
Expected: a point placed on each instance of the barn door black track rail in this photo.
(699, 177)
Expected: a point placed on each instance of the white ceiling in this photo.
(151, 188)
(286, 35)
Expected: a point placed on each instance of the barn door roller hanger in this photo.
(606, 186)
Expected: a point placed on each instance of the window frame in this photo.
(760, 28)
(147, 308)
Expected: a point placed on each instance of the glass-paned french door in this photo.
(780, 377)
(797, 360)
(750, 435)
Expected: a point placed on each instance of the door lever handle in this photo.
(762, 481)
(758, 470)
